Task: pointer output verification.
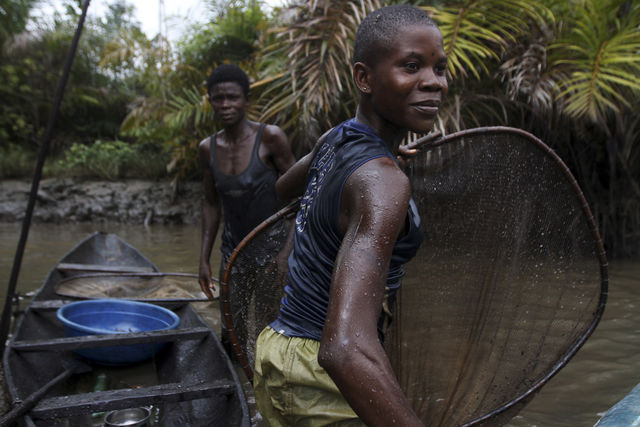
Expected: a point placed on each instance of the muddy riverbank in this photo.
(132, 202)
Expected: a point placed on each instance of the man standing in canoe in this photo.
(241, 164)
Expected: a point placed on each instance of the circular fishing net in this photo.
(139, 286)
(253, 283)
(509, 282)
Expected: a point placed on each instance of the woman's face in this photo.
(228, 102)
(409, 81)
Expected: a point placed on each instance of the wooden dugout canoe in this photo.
(190, 382)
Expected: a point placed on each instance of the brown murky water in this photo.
(603, 371)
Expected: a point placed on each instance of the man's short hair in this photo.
(377, 32)
(228, 73)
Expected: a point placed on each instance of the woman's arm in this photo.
(372, 214)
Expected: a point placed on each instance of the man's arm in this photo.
(211, 213)
(292, 184)
(372, 214)
(279, 148)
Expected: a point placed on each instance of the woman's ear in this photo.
(362, 77)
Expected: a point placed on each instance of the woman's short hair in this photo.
(377, 31)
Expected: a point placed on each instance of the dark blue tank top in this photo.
(247, 198)
(318, 237)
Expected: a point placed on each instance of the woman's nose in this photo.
(430, 80)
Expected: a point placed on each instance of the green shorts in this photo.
(291, 388)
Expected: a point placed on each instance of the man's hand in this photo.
(206, 284)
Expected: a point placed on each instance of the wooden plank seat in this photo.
(92, 341)
(49, 305)
(68, 267)
(99, 401)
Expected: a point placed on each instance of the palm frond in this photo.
(600, 56)
(309, 56)
(127, 47)
(188, 109)
(524, 73)
(143, 110)
(476, 31)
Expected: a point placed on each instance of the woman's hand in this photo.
(406, 151)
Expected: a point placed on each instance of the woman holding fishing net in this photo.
(322, 360)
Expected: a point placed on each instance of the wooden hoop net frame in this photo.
(227, 316)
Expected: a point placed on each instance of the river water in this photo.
(603, 371)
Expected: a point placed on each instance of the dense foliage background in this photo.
(567, 71)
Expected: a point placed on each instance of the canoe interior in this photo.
(191, 382)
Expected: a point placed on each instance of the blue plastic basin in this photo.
(115, 316)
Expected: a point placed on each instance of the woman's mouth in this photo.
(430, 110)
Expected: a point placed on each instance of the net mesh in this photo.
(508, 284)
(140, 286)
(255, 276)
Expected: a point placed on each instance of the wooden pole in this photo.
(5, 323)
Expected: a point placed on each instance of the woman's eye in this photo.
(412, 66)
(441, 69)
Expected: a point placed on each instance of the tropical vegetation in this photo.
(564, 70)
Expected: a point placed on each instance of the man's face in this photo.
(228, 102)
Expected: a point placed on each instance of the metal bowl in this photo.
(130, 417)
